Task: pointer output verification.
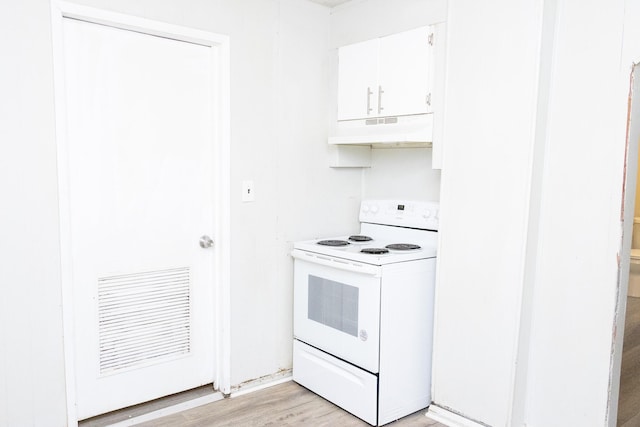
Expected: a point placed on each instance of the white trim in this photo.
(134, 23)
(194, 403)
(547, 20)
(449, 418)
(170, 410)
(61, 10)
(629, 191)
(262, 386)
(223, 224)
(63, 211)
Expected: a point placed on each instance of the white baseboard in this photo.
(170, 410)
(199, 401)
(449, 418)
(261, 386)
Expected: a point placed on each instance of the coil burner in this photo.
(375, 251)
(360, 238)
(402, 246)
(333, 243)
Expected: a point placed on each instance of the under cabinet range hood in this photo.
(403, 131)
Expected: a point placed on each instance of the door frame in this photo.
(220, 95)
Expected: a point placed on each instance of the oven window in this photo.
(333, 304)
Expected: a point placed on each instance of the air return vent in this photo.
(143, 318)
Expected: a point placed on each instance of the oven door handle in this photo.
(342, 264)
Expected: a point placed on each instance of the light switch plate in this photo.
(248, 191)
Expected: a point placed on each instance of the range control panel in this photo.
(413, 214)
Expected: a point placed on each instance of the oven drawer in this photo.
(351, 388)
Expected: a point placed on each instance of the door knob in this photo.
(206, 242)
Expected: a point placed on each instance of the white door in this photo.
(404, 73)
(358, 80)
(140, 146)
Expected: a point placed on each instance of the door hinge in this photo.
(430, 39)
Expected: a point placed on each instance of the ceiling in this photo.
(330, 3)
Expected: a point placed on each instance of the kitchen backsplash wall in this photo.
(404, 173)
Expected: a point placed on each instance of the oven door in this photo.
(337, 307)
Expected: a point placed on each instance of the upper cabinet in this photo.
(391, 93)
(387, 76)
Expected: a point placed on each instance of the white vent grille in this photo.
(143, 318)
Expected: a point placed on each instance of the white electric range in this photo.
(363, 311)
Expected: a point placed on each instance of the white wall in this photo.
(489, 122)
(32, 389)
(575, 294)
(295, 189)
(402, 173)
(360, 20)
(524, 333)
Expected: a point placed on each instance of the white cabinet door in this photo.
(404, 73)
(358, 80)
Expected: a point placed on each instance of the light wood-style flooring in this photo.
(629, 402)
(289, 404)
(286, 404)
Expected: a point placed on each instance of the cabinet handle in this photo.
(369, 93)
(380, 92)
